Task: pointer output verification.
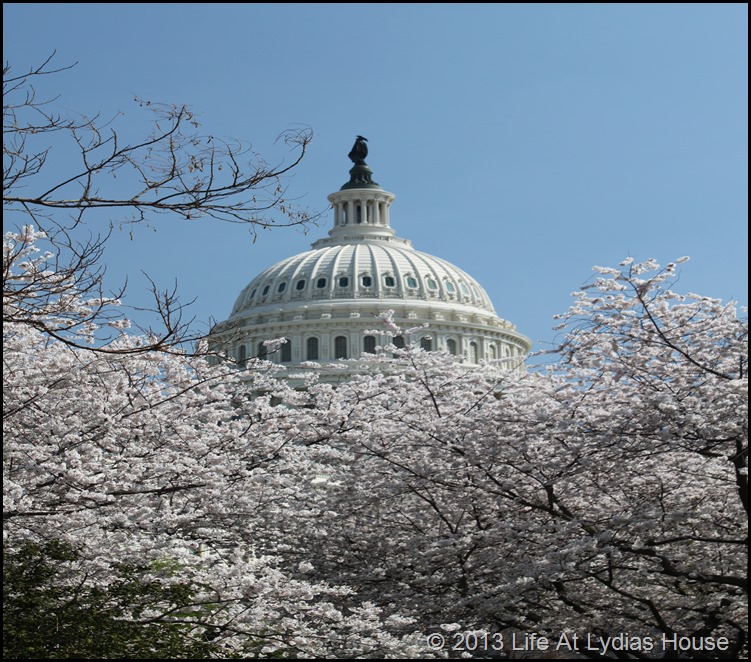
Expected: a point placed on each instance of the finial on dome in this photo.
(360, 176)
(359, 151)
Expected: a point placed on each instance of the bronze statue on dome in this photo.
(359, 151)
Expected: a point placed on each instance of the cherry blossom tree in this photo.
(605, 497)
(149, 470)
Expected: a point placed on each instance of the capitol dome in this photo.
(325, 302)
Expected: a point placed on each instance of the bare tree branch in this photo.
(173, 171)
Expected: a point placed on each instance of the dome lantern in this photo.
(361, 207)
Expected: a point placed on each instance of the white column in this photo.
(350, 212)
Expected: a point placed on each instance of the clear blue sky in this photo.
(524, 143)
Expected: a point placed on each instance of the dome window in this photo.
(287, 351)
(367, 281)
(389, 281)
(321, 283)
(340, 347)
(300, 284)
(412, 282)
(474, 352)
(432, 285)
(450, 287)
(265, 290)
(465, 289)
(282, 287)
(343, 281)
(369, 344)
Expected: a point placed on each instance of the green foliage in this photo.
(49, 613)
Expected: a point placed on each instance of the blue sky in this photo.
(524, 143)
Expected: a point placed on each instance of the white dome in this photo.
(360, 271)
(325, 302)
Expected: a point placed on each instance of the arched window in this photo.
(242, 355)
(340, 347)
(451, 346)
(312, 349)
(426, 342)
(474, 354)
(287, 351)
(493, 352)
(261, 350)
(369, 344)
(399, 342)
